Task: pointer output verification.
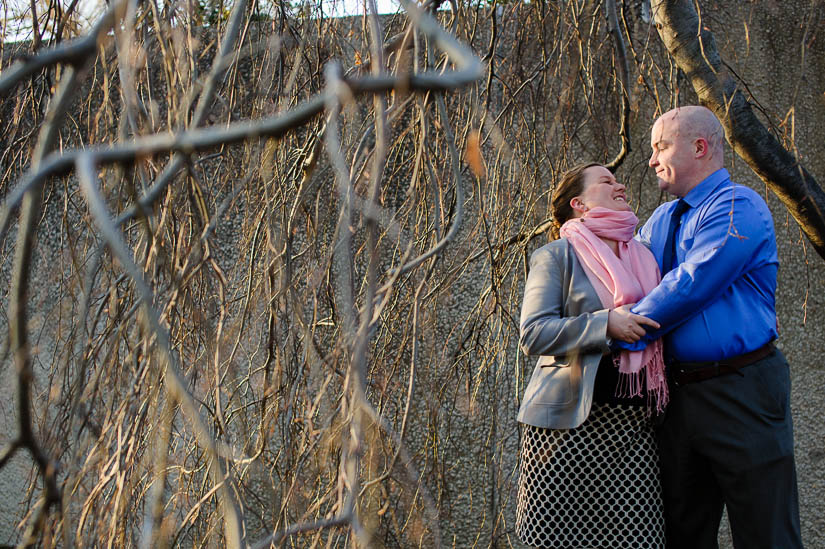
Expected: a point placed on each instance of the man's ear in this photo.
(701, 147)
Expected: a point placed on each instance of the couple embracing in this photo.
(658, 397)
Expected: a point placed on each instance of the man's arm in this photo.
(546, 331)
(730, 235)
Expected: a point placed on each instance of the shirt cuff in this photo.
(619, 345)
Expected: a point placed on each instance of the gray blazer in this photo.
(563, 321)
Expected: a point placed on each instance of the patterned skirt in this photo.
(593, 486)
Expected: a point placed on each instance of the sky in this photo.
(90, 9)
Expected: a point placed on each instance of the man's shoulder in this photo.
(735, 193)
(744, 209)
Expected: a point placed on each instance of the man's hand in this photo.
(627, 326)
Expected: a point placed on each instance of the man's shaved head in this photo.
(694, 121)
(688, 145)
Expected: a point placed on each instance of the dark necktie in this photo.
(669, 254)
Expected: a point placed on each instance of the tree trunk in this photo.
(695, 53)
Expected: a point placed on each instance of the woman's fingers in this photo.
(627, 326)
(647, 321)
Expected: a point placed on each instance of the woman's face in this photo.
(600, 189)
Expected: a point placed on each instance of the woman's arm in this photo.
(544, 331)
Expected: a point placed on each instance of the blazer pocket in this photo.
(560, 361)
(551, 386)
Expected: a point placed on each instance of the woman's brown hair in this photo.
(570, 185)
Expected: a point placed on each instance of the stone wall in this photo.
(477, 467)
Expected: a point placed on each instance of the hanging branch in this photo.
(76, 53)
(199, 140)
(87, 161)
(623, 68)
(87, 173)
(18, 313)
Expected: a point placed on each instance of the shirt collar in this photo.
(700, 192)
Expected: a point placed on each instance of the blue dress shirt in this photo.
(719, 301)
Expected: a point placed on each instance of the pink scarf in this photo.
(618, 281)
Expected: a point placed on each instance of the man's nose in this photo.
(652, 162)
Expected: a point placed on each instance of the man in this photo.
(727, 437)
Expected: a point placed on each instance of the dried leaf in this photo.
(473, 154)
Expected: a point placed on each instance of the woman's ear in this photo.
(578, 206)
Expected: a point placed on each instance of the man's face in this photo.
(673, 156)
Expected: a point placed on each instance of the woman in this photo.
(589, 470)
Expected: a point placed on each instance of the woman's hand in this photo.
(627, 326)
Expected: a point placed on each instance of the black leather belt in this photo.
(682, 373)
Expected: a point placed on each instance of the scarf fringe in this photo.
(630, 383)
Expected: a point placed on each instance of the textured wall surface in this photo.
(770, 63)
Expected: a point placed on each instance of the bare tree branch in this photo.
(623, 70)
(694, 50)
(75, 53)
(86, 169)
(272, 301)
(18, 314)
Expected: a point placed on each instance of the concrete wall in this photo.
(482, 474)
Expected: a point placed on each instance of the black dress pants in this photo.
(728, 441)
